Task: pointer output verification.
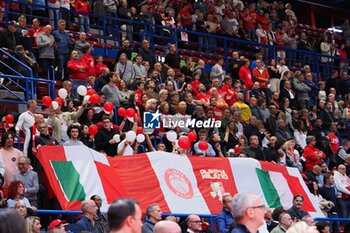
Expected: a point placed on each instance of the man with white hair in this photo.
(167, 227)
(86, 223)
(248, 211)
(154, 215)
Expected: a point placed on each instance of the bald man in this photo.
(194, 224)
(340, 182)
(87, 223)
(167, 227)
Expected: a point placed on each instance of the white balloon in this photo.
(171, 135)
(54, 105)
(82, 90)
(116, 137)
(131, 119)
(62, 93)
(130, 136)
(86, 98)
(140, 138)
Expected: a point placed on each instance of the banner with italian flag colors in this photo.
(179, 184)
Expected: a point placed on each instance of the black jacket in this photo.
(102, 141)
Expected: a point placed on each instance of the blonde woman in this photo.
(33, 224)
(293, 155)
(21, 208)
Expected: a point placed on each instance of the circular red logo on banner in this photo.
(178, 183)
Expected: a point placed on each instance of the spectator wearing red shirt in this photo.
(311, 154)
(99, 67)
(202, 94)
(263, 19)
(333, 138)
(228, 91)
(77, 70)
(195, 83)
(139, 91)
(279, 36)
(215, 84)
(261, 75)
(245, 75)
(185, 16)
(342, 54)
(213, 101)
(88, 59)
(34, 33)
(82, 6)
(249, 18)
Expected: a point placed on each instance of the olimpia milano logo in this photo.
(152, 121)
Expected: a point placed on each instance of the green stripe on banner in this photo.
(269, 190)
(69, 179)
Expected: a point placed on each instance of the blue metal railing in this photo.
(122, 27)
(159, 40)
(23, 83)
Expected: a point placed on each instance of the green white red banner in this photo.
(180, 184)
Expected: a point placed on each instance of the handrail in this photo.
(225, 40)
(18, 61)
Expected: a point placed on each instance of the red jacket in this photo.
(312, 158)
(81, 6)
(218, 115)
(90, 62)
(99, 69)
(230, 94)
(139, 94)
(77, 70)
(195, 85)
(246, 76)
(33, 33)
(261, 77)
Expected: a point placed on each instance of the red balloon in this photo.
(192, 136)
(203, 145)
(94, 99)
(108, 107)
(47, 101)
(93, 129)
(184, 143)
(130, 112)
(90, 92)
(59, 101)
(139, 130)
(122, 112)
(9, 119)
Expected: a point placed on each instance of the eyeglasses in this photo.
(198, 221)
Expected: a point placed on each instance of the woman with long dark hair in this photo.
(9, 155)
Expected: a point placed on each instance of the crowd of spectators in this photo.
(268, 111)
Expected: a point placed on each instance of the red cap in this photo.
(55, 223)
